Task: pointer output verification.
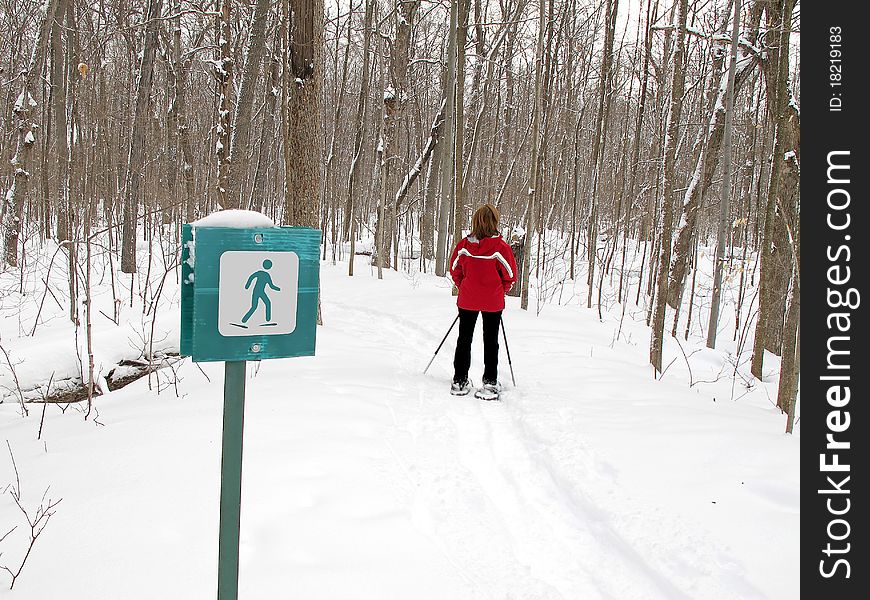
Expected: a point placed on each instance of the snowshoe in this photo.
(460, 388)
(489, 391)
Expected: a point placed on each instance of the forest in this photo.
(623, 142)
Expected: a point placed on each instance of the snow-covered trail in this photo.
(543, 533)
(365, 479)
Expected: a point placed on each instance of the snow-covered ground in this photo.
(364, 479)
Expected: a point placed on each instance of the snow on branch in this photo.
(718, 38)
(424, 156)
(24, 97)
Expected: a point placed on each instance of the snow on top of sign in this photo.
(240, 219)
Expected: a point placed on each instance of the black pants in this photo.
(462, 359)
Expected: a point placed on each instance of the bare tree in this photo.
(27, 129)
(448, 167)
(241, 134)
(725, 200)
(791, 352)
(677, 89)
(137, 139)
(784, 179)
(303, 140)
(359, 132)
(533, 176)
(224, 70)
(61, 127)
(406, 11)
(459, 208)
(598, 142)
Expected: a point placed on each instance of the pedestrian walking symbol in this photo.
(257, 294)
(261, 281)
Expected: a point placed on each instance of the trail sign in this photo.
(248, 294)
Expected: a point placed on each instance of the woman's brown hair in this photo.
(484, 222)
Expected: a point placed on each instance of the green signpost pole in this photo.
(231, 480)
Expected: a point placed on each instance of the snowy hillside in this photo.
(365, 479)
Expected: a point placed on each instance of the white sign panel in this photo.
(257, 293)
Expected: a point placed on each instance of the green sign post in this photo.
(246, 294)
(231, 480)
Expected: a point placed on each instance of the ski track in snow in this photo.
(549, 535)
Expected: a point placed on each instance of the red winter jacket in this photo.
(484, 271)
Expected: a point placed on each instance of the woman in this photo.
(483, 268)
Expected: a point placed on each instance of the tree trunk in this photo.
(328, 176)
(72, 186)
(259, 194)
(183, 159)
(784, 179)
(137, 140)
(459, 208)
(598, 142)
(359, 130)
(725, 201)
(431, 142)
(61, 128)
(379, 250)
(677, 87)
(791, 349)
(533, 175)
(447, 159)
(224, 71)
(789, 373)
(241, 135)
(303, 138)
(428, 212)
(27, 129)
(172, 122)
(406, 11)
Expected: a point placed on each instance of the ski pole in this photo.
(504, 335)
(441, 344)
